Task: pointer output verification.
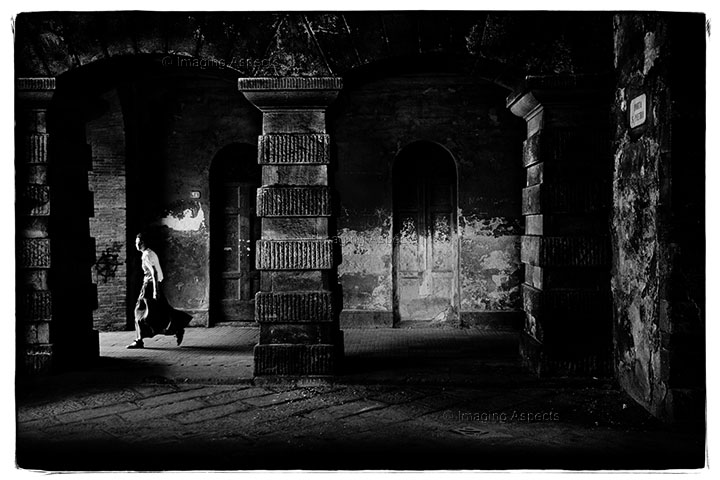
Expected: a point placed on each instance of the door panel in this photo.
(425, 243)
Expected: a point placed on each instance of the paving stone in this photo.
(90, 413)
(162, 410)
(398, 395)
(344, 410)
(275, 398)
(210, 413)
(234, 395)
(174, 397)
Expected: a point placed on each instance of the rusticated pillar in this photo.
(55, 294)
(34, 299)
(565, 249)
(299, 300)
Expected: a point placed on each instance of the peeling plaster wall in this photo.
(657, 218)
(182, 122)
(373, 122)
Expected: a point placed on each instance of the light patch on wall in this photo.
(185, 221)
(651, 52)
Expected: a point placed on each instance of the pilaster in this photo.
(298, 303)
(565, 249)
(34, 299)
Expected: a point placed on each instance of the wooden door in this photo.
(425, 242)
(234, 230)
(238, 277)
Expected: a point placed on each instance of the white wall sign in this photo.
(638, 109)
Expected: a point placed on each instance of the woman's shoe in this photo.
(180, 335)
(136, 344)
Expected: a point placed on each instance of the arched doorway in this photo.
(425, 258)
(234, 229)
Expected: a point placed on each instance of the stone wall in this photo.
(658, 211)
(179, 124)
(107, 181)
(372, 123)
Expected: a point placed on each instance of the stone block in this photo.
(35, 253)
(307, 149)
(296, 359)
(295, 254)
(36, 305)
(301, 175)
(352, 318)
(294, 280)
(531, 150)
(583, 197)
(289, 83)
(36, 148)
(298, 334)
(293, 202)
(37, 359)
(37, 333)
(305, 121)
(33, 226)
(34, 200)
(564, 251)
(534, 174)
(289, 307)
(315, 228)
(509, 321)
(554, 278)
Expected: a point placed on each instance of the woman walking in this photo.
(153, 314)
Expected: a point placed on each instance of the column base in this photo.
(295, 360)
(545, 361)
(36, 360)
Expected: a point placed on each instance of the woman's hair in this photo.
(142, 237)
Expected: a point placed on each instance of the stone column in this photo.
(33, 296)
(299, 302)
(565, 249)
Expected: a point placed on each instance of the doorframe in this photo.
(450, 156)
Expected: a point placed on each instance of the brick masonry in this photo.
(108, 225)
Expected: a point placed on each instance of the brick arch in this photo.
(49, 44)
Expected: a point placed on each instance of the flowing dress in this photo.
(155, 316)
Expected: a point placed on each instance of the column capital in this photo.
(545, 90)
(35, 89)
(282, 93)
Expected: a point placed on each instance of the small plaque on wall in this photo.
(638, 110)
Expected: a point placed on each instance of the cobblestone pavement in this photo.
(408, 400)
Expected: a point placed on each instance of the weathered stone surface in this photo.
(294, 228)
(37, 359)
(295, 359)
(293, 202)
(35, 253)
(36, 305)
(290, 307)
(294, 148)
(36, 147)
(34, 200)
(295, 254)
(579, 197)
(564, 251)
(298, 333)
(657, 214)
(38, 83)
(299, 175)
